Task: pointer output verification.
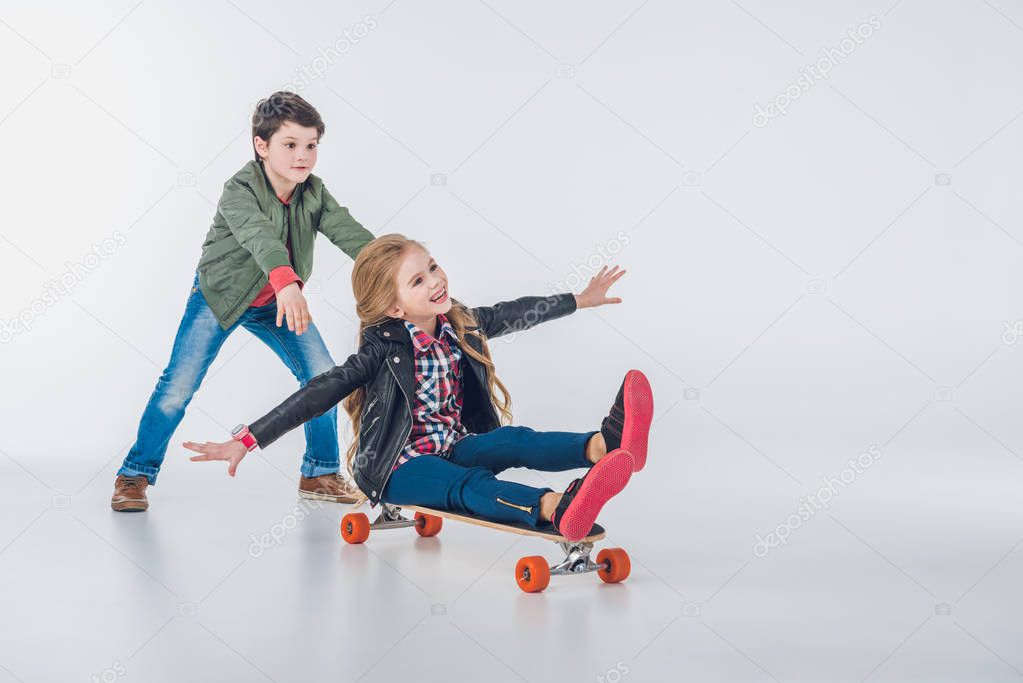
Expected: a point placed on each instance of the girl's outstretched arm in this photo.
(319, 395)
(526, 312)
(595, 293)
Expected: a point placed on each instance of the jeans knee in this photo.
(517, 431)
(313, 366)
(475, 477)
(173, 396)
(172, 402)
(313, 356)
(468, 487)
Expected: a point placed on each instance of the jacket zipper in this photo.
(366, 430)
(287, 224)
(527, 510)
(390, 470)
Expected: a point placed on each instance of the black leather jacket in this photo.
(384, 365)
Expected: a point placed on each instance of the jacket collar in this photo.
(257, 169)
(391, 330)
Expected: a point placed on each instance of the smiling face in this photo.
(290, 154)
(422, 290)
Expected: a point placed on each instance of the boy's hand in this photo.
(595, 293)
(232, 451)
(291, 304)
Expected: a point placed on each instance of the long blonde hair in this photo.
(374, 284)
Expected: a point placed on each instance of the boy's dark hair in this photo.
(271, 113)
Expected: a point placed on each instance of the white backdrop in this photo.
(802, 285)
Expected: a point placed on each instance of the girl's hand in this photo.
(232, 451)
(595, 293)
(291, 304)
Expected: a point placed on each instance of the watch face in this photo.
(238, 430)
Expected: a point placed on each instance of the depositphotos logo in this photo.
(819, 500)
(811, 74)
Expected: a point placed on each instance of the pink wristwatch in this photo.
(242, 433)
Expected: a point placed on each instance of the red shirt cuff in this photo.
(282, 276)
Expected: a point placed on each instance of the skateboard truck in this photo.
(390, 518)
(577, 559)
(532, 574)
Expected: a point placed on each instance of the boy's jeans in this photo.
(464, 481)
(196, 346)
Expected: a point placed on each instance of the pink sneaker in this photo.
(584, 497)
(627, 426)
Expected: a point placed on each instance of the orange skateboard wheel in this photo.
(532, 574)
(617, 566)
(355, 527)
(428, 525)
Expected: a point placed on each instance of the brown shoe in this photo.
(129, 494)
(332, 488)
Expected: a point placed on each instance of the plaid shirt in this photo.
(437, 407)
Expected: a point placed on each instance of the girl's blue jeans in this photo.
(196, 345)
(464, 481)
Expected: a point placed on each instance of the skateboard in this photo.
(532, 573)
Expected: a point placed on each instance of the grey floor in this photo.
(908, 576)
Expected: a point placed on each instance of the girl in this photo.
(424, 399)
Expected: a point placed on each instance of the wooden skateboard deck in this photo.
(532, 574)
(596, 533)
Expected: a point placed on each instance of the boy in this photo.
(255, 259)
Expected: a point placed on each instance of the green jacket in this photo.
(248, 238)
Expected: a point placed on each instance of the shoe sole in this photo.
(604, 481)
(130, 506)
(639, 413)
(345, 500)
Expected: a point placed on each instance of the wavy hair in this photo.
(375, 286)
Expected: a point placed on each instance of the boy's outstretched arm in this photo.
(526, 312)
(319, 395)
(337, 224)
